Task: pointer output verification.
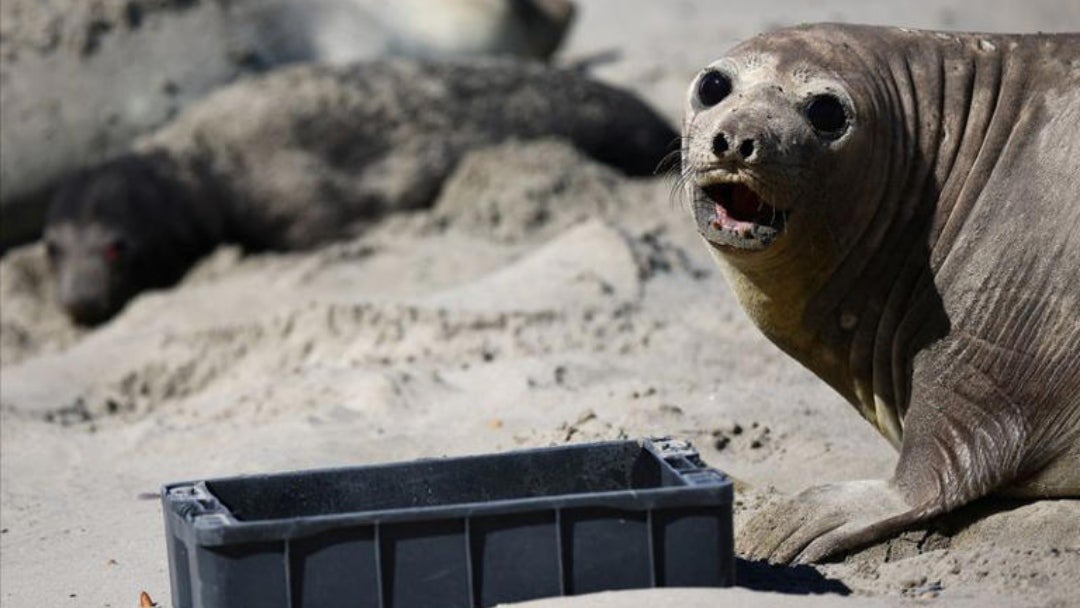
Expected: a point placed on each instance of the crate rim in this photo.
(701, 487)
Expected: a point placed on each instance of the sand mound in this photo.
(512, 192)
(31, 323)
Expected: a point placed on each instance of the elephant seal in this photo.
(900, 212)
(311, 153)
(73, 96)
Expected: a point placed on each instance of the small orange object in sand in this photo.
(495, 423)
(145, 601)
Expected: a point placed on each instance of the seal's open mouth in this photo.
(737, 203)
(732, 214)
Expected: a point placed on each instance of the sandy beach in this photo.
(544, 299)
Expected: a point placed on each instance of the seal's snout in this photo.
(89, 311)
(84, 290)
(723, 150)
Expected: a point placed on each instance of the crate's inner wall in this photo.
(601, 468)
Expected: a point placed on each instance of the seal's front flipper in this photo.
(963, 438)
(826, 520)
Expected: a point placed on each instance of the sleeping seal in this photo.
(900, 212)
(309, 154)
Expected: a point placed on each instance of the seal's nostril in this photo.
(720, 145)
(746, 148)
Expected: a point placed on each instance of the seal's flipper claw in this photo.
(851, 537)
(826, 520)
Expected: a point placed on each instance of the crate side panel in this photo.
(241, 575)
(695, 547)
(606, 549)
(335, 569)
(425, 564)
(179, 570)
(515, 557)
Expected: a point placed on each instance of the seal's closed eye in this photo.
(115, 250)
(713, 88)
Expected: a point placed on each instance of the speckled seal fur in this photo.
(900, 211)
(313, 153)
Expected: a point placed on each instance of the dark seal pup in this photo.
(900, 211)
(308, 154)
(135, 223)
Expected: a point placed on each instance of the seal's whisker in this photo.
(669, 163)
(678, 189)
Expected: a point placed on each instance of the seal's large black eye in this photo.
(713, 88)
(827, 115)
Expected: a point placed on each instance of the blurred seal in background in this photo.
(312, 153)
(81, 79)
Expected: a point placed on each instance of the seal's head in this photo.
(780, 165)
(115, 230)
(767, 136)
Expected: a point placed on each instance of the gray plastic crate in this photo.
(453, 532)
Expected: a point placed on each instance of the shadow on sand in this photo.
(796, 580)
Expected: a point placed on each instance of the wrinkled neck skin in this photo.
(773, 285)
(849, 289)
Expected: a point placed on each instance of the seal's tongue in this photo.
(741, 204)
